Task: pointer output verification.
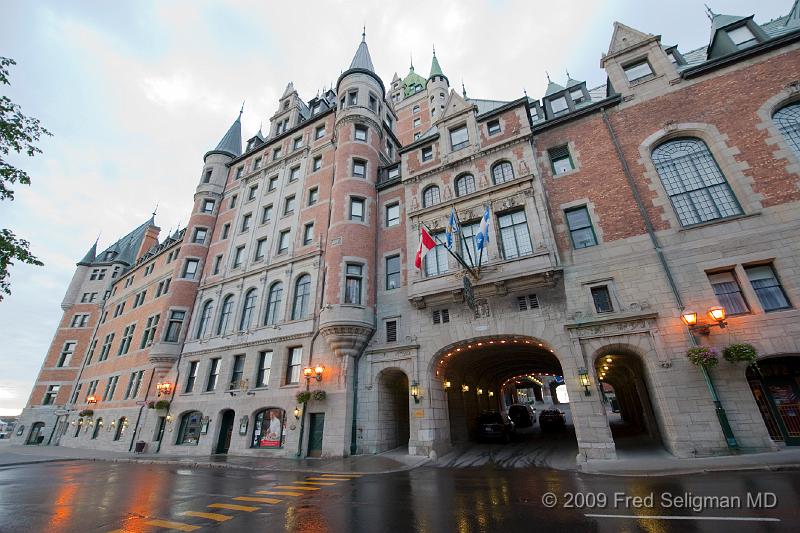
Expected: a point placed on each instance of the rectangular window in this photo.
(131, 385)
(525, 303)
(638, 71)
(580, 227)
(191, 376)
(768, 289)
(316, 108)
(79, 321)
(313, 195)
(111, 387)
(119, 309)
(276, 153)
(728, 292)
(109, 339)
(283, 242)
(246, 222)
(149, 332)
(237, 373)
(416, 122)
(357, 209)
(226, 229)
(208, 206)
(207, 175)
(288, 205)
(50, 395)
(190, 269)
(469, 248)
(163, 287)
(261, 249)
(391, 331)
(393, 172)
(294, 174)
(427, 153)
(352, 98)
(514, 235)
(293, 365)
(353, 280)
(256, 163)
(76, 393)
(493, 127)
(441, 316)
(359, 168)
(317, 164)
(560, 160)
(237, 256)
(392, 215)
(139, 299)
(232, 203)
(319, 132)
(360, 132)
(742, 37)
(577, 96)
(66, 354)
(297, 143)
(602, 299)
(559, 105)
(174, 326)
(90, 353)
(264, 366)
(436, 259)
(199, 235)
(273, 183)
(373, 103)
(392, 272)
(127, 337)
(239, 172)
(213, 375)
(251, 193)
(459, 138)
(308, 234)
(217, 264)
(417, 136)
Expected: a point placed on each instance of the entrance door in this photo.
(317, 425)
(225, 432)
(776, 388)
(35, 436)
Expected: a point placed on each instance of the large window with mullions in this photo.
(788, 121)
(694, 182)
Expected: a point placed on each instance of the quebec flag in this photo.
(482, 238)
(452, 227)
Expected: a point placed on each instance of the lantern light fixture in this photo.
(447, 384)
(297, 412)
(583, 376)
(91, 399)
(717, 313)
(415, 391)
(464, 388)
(164, 388)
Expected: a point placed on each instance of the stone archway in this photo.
(775, 384)
(393, 410)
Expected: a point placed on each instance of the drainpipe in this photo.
(730, 439)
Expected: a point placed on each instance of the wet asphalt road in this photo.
(85, 496)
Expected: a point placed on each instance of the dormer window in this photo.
(742, 37)
(459, 138)
(559, 105)
(638, 71)
(577, 96)
(315, 109)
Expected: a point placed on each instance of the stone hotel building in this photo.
(614, 214)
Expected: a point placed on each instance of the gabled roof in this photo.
(411, 80)
(231, 142)
(624, 37)
(552, 88)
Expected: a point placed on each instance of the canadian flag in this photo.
(426, 244)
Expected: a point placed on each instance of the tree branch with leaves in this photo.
(18, 134)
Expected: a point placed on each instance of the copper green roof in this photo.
(411, 80)
(436, 70)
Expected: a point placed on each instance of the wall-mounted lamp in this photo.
(717, 314)
(480, 392)
(491, 394)
(464, 388)
(91, 399)
(415, 391)
(164, 388)
(169, 419)
(583, 375)
(297, 412)
(315, 372)
(447, 384)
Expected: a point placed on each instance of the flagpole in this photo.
(469, 254)
(460, 260)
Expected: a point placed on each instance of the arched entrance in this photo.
(776, 387)
(225, 431)
(627, 399)
(36, 436)
(491, 381)
(393, 409)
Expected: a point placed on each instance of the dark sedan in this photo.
(523, 416)
(494, 425)
(552, 419)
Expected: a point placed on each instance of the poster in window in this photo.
(268, 428)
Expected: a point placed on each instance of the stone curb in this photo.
(54, 460)
(788, 467)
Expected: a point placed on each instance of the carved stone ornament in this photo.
(625, 327)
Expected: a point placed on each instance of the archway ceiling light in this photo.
(493, 361)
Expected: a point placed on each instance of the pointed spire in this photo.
(91, 255)
(436, 70)
(362, 59)
(710, 14)
(463, 89)
(364, 34)
(552, 87)
(231, 142)
(155, 210)
(411, 55)
(571, 82)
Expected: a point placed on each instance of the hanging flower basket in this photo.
(736, 353)
(86, 412)
(703, 356)
(162, 405)
(319, 395)
(303, 397)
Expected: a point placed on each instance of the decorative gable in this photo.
(455, 105)
(625, 37)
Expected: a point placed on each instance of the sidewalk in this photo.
(661, 463)
(15, 454)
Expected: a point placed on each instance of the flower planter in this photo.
(704, 356)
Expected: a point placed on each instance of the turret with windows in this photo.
(438, 87)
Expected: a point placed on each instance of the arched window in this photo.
(430, 196)
(205, 319)
(274, 303)
(465, 184)
(247, 310)
(302, 294)
(122, 425)
(695, 184)
(225, 314)
(268, 428)
(189, 432)
(97, 426)
(78, 426)
(502, 172)
(788, 121)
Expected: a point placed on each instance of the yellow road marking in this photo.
(314, 483)
(211, 516)
(259, 500)
(233, 507)
(333, 478)
(341, 475)
(320, 479)
(289, 487)
(180, 526)
(279, 493)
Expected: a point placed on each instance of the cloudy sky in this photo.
(136, 92)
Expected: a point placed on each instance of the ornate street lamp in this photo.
(583, 375)
(717, 314)
(415, 391)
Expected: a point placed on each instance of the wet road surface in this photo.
(85, 496)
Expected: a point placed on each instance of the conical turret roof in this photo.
(362, 58)
(231, 142)
(90, 256)
(436, 70)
